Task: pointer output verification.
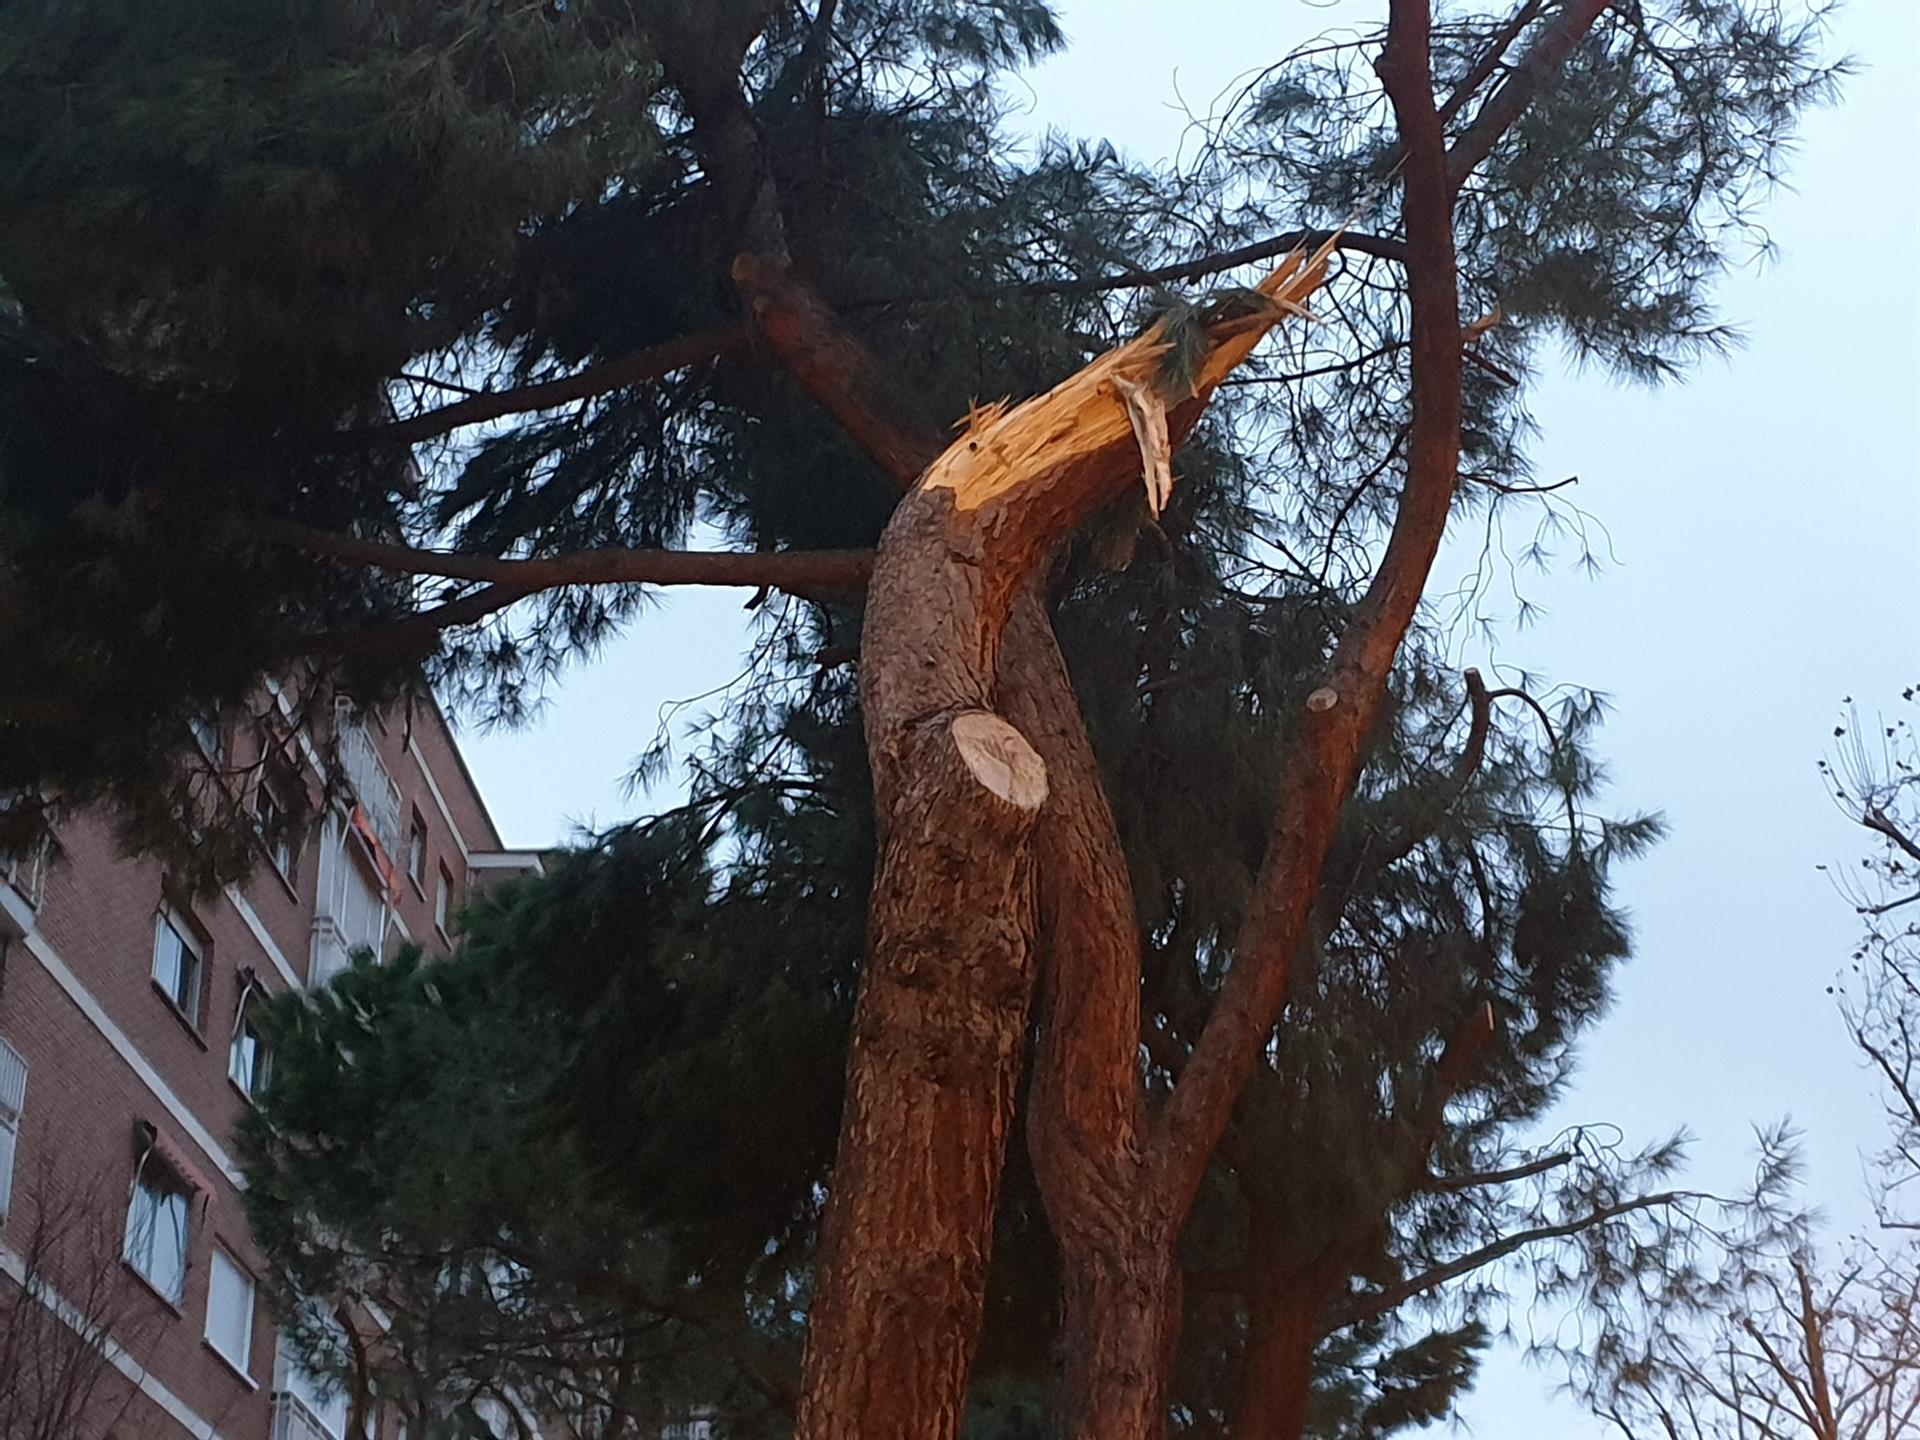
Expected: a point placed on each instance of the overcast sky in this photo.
(1766, 521)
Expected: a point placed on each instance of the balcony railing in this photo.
(292, 1420)
(372, 786)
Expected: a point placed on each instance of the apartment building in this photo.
(127, 1056)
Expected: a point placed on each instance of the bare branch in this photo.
(603, 379)
(1366, 1307)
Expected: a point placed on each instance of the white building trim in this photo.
(261, 934)
(507, 860)
(433, 787)
(14, 1267)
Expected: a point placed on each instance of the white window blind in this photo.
(230, 1310)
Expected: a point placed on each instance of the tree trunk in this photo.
(1120, 1288)
(1276, 1378)
(937, 1042)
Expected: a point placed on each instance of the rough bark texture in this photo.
(896, 1317)
(937, 1043)
(1120, 1287)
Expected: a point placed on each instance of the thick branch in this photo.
(1324, 752)
(816, 574)
(1532, 77)
(797, 570)
(788, 315)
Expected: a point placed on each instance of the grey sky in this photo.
(1766, 520)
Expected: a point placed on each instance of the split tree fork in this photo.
(978, 747)
(895, 1323)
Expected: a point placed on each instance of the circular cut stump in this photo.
(999, 757)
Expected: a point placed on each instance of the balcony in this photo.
(292, 1420)
(372, 786)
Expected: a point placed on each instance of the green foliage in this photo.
(297, 198)
(600, 1133)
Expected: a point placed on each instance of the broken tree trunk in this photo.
(941, 1019)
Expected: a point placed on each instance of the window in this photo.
(442, 900)
(178, 963)
(270, 819)
(230, 1310)
(157, 1227)
(249, 1062)
(417, 853)
(13, 1100)
(210, 735)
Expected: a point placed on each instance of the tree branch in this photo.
(1532, 77)
(800, 571)
(1203, 265)
(1367, 1307)
(1526, 1171)
(1324, 752)
(813, 574)
(1485, 66)
(635, 369)
(1878, 820)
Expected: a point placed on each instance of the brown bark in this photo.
(1120, 1287)
(903, 1273)
(1286, 1318)
(937, 1038)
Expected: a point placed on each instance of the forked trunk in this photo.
(937, 1044)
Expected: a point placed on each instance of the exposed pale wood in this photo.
(1001, 759)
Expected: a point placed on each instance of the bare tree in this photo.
(67, 1309)
(1757, 1330)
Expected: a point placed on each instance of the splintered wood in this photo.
(1118, 399)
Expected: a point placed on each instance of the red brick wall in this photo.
(84, 1099)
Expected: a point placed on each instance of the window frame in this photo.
(169, 919)
(173, 1187)
(13, 1107)
(417, 851)
(260, 1072)
(217, 1256)
(443, 905)
(282, 853)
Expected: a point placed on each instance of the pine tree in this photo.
(737, 267)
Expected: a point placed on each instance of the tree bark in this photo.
(1276, 1378)
(1120, 1287)
(937, 1043)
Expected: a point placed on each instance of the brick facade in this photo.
(120, 1078)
